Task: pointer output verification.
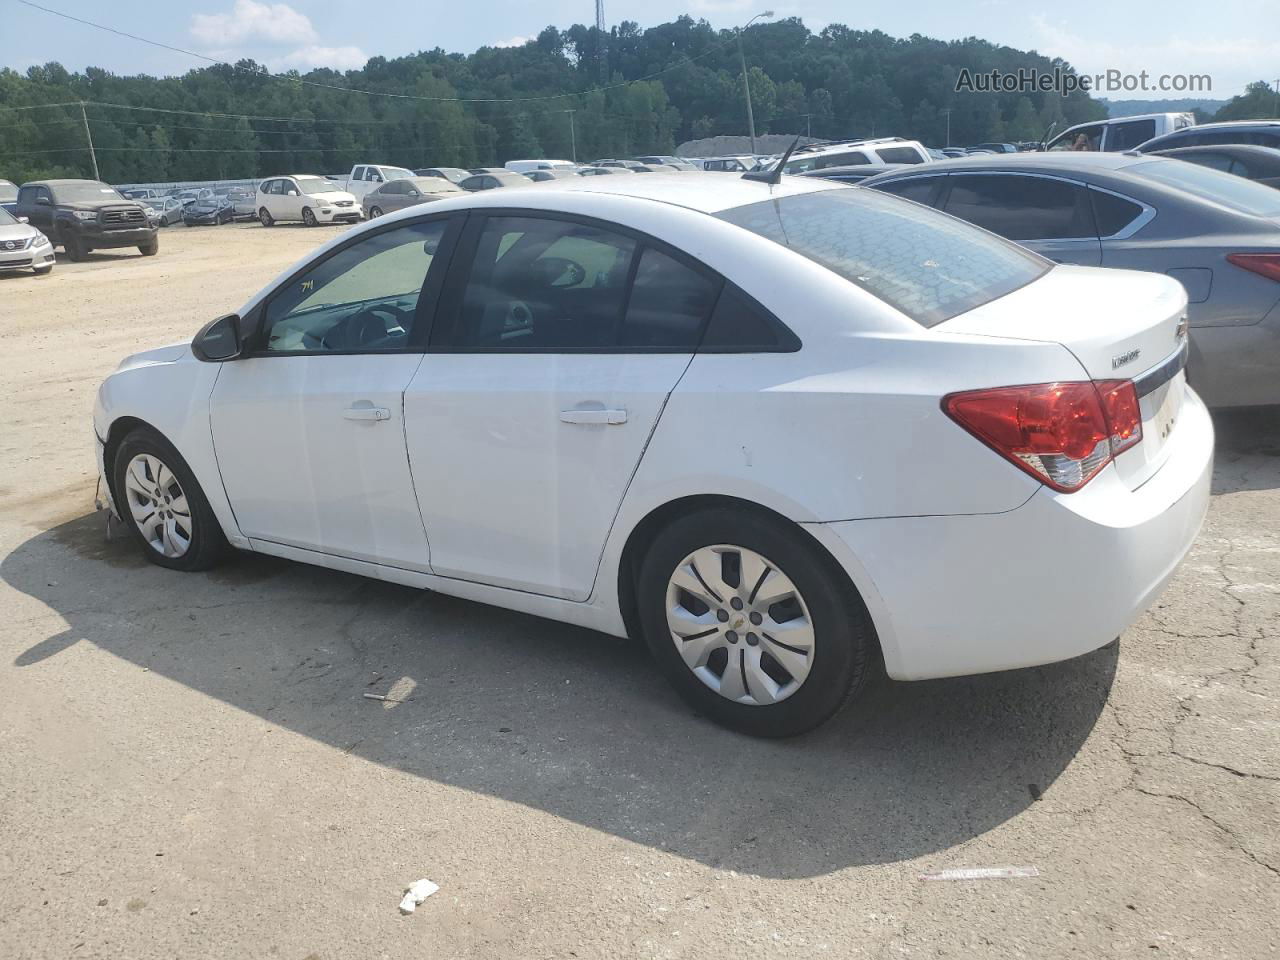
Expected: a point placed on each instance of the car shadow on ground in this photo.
(565, 720)
(578, 724)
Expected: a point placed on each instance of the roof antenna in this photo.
(774, 175)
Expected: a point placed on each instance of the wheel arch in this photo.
(643, 533)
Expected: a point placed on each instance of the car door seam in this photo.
(404, 433)
(595, 577)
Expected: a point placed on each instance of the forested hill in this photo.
(632, 91)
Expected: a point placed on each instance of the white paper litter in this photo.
(416, 893)
(982, 873)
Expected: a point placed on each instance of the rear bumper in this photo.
(1059, 576)
(1237, 366)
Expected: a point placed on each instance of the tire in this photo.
(309, 217)
(150, 249)
(765, 698)
(205, 545)
(43, 271)
(375, 212)
(76, 250)
(265, 218)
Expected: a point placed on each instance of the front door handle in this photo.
(366, 412)
(594, 416)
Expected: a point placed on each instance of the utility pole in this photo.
(746, 84)
(573, 140)
(948, 113)
(1278, 98)
(89, 136)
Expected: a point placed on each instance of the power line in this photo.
(371, 93)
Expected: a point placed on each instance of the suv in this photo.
(84, 215)
(857, 152)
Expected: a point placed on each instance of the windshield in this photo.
(435, 185)
(1227, 189)
(397, 173)
(6, 218)
(930, 266)
(85, 192)
(313, 185)
(8, 192)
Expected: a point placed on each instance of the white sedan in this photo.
(784, 432)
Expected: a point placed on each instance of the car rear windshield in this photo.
(930, 266)
(1225, 189)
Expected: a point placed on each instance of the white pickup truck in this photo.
(369, 176)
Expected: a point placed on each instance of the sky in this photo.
(1232, 41)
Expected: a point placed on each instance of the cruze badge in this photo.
(1120, 361)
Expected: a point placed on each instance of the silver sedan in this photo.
(1214, 232)
(397, 194)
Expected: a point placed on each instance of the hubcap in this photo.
(158, 505)
(740, 624)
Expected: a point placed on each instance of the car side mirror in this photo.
(24, 219)
(219, 340)
(429, 247)
(42, 201)
(414, 193)
(292, 193)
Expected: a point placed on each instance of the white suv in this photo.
(311, 199)
(858, 152)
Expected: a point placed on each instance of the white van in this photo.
(311, 199)
(857, 152)
(1121, 133)
(525, 166)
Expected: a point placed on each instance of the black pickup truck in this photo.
(84, 215)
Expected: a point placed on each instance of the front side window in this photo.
(364, 298)
(929, 266)
(1086, 138)
(1022, 208)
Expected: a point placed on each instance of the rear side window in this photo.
(1113, 213)
(919, 189)
(740, 325)
(669, 303)
(850, 159)
(898, 155)
(927, 265)
(1022, 208)
(1126, 136)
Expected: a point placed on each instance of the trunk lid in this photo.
(1120, 325)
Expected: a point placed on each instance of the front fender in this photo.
(172, 397)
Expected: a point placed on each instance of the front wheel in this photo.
(375, 212)
(150, 249)
(76, 250)
(752, 623)
(309, 217)
(162, 503)
(43, 271)
(265, 218)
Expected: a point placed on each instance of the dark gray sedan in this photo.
(1253, 163)
(397, 194)
(1216, 233)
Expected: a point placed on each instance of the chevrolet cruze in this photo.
(785, 432)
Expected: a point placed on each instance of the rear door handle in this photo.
(594, 416)
(370, 412)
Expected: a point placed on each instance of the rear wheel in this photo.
(752, 623)
(265, 218)
(309, 217)
(163, 505)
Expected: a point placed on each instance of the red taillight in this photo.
(1062, 434)
(1263, 264)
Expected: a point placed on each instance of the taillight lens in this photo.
(1062, 434)
(1263, 264)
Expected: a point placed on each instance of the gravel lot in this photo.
(187, 766)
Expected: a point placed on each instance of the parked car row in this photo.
(77, 215)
